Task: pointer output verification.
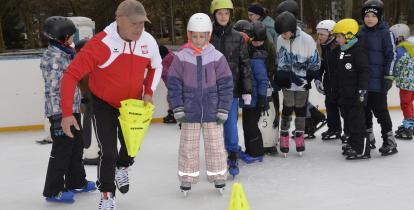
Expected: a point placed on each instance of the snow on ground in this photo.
(321, 179)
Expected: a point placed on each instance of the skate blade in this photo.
(285, 155)
(300, 154)
(185, 192)
(221, 191)
(390, 153)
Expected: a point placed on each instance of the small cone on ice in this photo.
(238, 199)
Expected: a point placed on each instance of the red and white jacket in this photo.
(117, 69)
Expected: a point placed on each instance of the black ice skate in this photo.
(371, 138)
(354, 155)
(219, 185)
(331, 135)
(389, 146)
(185, 187)
(345, 138)
(169, 119)
(405, 131)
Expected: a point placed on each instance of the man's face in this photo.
(253, 17)
(199, 39)
(323, 37)
(370, 19)
(287, 35)
(340, 38)
(129, 30)
(223, 16)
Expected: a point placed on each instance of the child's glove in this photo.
(362, 95)
(262, 104)
(319, 87)
(222, 116)
(388, 83)
(247, 99)
(179, 114)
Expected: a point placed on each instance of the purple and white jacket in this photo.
(200, 83)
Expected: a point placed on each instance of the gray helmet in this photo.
(58, 28)
(285, 22)
(244, 26)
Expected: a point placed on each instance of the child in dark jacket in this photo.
(65, 173)
(251, 112)
(352, 84)
(380, 46)
(200, 91)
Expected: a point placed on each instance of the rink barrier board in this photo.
(154, 120)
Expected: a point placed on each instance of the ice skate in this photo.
(89, 187)
(284, 142)
(46, 140)
(389, 146)
(300, 142)
(354, 155)
(345, 138)
(220, 185)
(107, 201)
(405, 131)
(169, 119)
(272, 151)
(249, 159)
(62, 197)
(233, 164)
(185, 188)
(331, 135)
(121, 179)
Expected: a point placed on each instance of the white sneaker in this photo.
(107, 201)
(122, 180)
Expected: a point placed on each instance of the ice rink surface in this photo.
(320, 180)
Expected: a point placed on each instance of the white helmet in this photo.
(326, 24)
(400, 30)
(200, 22)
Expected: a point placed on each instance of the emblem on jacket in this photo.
(348, 66)
(144, 49)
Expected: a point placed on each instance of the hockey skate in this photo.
(371, 138)
(354, 155)
(331, 135)
(405, 131)
(219, 185)
(299, 142)
(345, 138)
(272, 151)
(249, 159)
(233, 164)
(169, 119)
(107, 201)
(46, 140)
(284, 142)
(389, 146)
(345, 149)
(185, 188)
(62, 197)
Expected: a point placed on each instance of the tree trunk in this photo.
(2, 44)
(348, 6)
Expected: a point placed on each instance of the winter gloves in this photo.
(222, 116)
(319, 87)
(388, 83)
(247, 99)
(179, 114)
(362, 96)
(262, 104)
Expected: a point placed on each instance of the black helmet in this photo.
(244, 26)
(58, 28)
(374, 6)
(80, 44)
(259, 31)
(285, 22)
(288, 5)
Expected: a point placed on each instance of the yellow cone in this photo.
(238, 199)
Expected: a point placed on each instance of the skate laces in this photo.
(107, 201)
(121, 177)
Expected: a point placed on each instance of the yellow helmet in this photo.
(348, 27)
(220, 4)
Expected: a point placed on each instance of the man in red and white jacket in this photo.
(123, 62)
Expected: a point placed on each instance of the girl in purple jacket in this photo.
(200, 91)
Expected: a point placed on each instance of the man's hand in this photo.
(67, 122)
(147, 99)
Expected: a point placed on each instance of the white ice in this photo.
(322, 179)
